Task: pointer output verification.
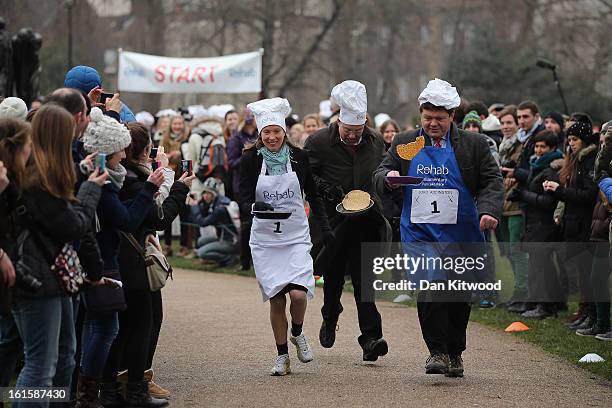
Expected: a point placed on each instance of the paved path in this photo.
(216, 349)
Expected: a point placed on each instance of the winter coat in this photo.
(538, 205)
(57, 222)
(521, 171)
(217, 216)
(579, 197)
(478, 168)
(509, 154)
(131, 263)
(235, 145)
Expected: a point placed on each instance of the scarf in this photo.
(117, 175)
(276, 162)
(542, 162)
(506, 147)
(523, 135)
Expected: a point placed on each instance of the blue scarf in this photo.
(276, 162)
(523, 135)
(542, 162)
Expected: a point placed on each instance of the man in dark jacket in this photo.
(343, 157)
(539, 206)
(212, 210)
(461, 176)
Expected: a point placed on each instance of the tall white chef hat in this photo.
(440, 93)
(352, 98)
(270, 112)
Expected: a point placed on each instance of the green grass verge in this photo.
(551, 334)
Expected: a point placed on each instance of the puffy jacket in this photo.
(579, 197)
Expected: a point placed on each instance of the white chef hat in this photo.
(440, 93)
(270, 112)
(352, 98)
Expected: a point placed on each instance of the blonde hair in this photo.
(52, 166)
(312, 116)
(170, 145)
(14, 136)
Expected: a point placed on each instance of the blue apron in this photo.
(439, 210)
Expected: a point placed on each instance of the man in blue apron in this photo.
(461, 196)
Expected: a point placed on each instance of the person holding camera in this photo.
(15, 149)
(49, 218)
(108, 137)
(273, 175)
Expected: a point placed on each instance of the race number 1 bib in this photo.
(434, 206)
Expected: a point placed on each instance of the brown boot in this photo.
(155, 390)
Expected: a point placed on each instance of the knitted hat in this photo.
(83, 78)
(471, 117)
(582, 131)
(13, 107)
(556, 116)
(105, 135)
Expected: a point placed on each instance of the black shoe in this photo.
(577, 322)
(372, 349)
(137, 395)
(586, 324)
(592, 331)
(110, 395)
(517, 307)
(455, 367)
(540, 312)
(437, 364)
(327, 334)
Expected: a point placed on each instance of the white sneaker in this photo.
(304, 351)
(281, 367)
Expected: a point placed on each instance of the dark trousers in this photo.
(10, 349)
(245, 249)
(131, 347)
(158, 317)
(348, 258)
(543, 282)
(444, 317)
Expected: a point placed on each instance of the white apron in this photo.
(281, 248)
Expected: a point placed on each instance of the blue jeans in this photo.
(10, 349)
(99, 332)
(46, 327)
(215, 249)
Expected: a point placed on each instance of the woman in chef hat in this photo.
(273, 176)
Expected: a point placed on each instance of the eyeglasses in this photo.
(349, 131)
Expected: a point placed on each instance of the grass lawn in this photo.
(551, 334)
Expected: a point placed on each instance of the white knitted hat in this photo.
(105, 135)
(13, 107)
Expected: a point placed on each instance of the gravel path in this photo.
(216, 349)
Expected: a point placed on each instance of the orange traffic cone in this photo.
(516, 327)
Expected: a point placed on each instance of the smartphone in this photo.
(155, 164)
(153, 153)
(101, 162)
(104, 96)
(187, 167)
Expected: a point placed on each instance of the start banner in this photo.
(238, 73)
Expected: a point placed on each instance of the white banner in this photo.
(238, 73)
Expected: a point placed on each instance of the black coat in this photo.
(57, 222)
(539, 207)
(477, 166)
(8, 237)
(521, 171)
(131, 263)
(579, 197)
(250, 167)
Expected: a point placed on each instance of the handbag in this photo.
(157, 266)
(105, 298)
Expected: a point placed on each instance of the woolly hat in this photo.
(471, 117)
(270, 112)
(582, 131)
(83, 78)
(105, 135)
(145, 118)
(13, 107)
(556, 116)
(352, 99)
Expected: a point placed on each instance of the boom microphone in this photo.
(542, 63)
